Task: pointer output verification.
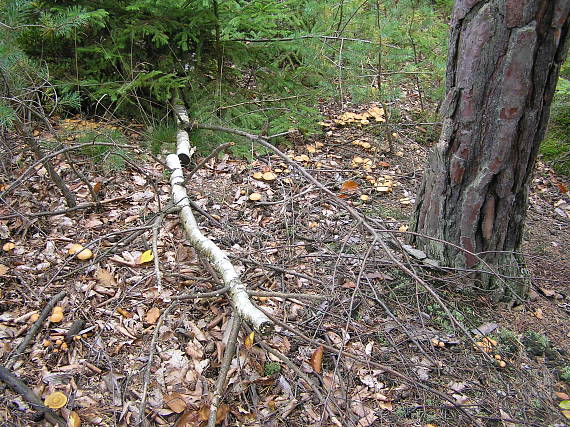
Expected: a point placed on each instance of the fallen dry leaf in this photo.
(349, 186)
(105, 278)
(152, 315)
(248, 343)
(189, 419)
(175, 401)
(317, 359)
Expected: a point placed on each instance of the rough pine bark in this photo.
(503, 63)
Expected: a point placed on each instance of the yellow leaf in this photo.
(55, 400)
(317, 359)
(565, 404)
(146, 256)
(254, 197)
(249, 340)
(73, 419)
(152, 315)
(364, 198)
(566, 414)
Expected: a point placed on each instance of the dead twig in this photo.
(146, 376)
(80, 206)
(18, 386)
(155, 230)
(213, 154)
(229, 353)
(371, 363)
(34, 329)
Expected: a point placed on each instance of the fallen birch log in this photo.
(208, 249)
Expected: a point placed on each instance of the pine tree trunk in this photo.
(503, 63)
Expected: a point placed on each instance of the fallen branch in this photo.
(18, 386)
(213, 253)
(204, 246)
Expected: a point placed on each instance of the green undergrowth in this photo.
(235, 63)
(556, 146)
(109, 158)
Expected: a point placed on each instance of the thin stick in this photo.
(229, 353)
(146, 377)
(23, 176)
(155, 229)
(29, 396)
(34, 329)
(80, 206)
(372, 363)
(299, 373)
(213, 154)
(354, 214)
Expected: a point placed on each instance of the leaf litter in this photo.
(290, 239)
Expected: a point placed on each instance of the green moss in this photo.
(535, 344)
(271, 368)
(565, 374)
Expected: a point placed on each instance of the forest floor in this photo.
(362, 315)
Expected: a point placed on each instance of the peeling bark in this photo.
(503, 64)
(218, 259)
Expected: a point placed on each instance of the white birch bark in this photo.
(219, 260)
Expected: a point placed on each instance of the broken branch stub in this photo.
(219, 260)
(183, 149)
